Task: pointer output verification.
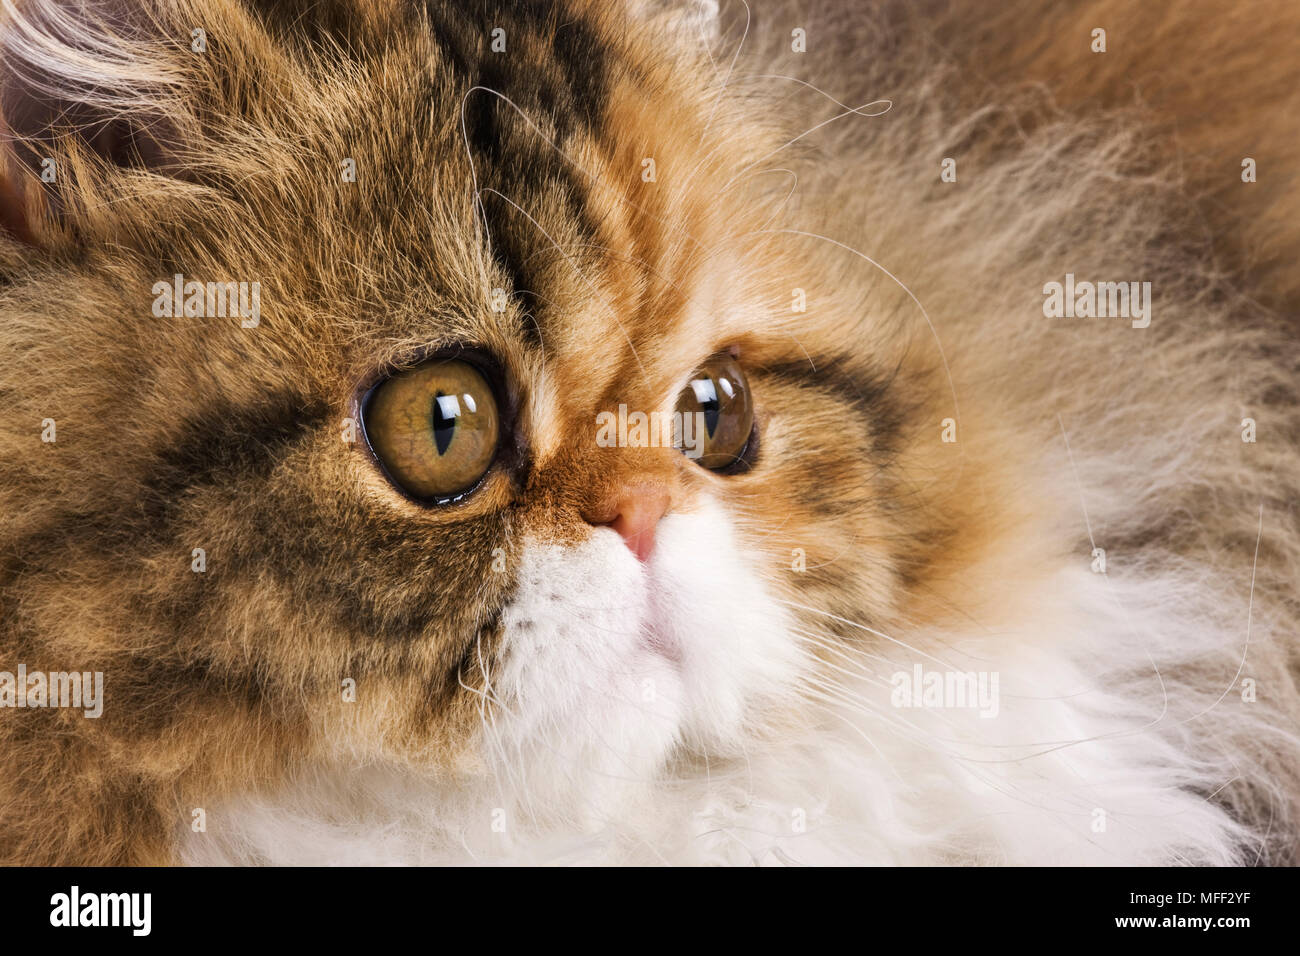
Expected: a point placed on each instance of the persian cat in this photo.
(645, 432)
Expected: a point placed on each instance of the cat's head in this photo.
(420, 499)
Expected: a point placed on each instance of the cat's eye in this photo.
(717, 399)
(434, 428)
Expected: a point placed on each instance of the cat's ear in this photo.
(79, 79)
(688, 21)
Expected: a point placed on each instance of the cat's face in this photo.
(510, 585)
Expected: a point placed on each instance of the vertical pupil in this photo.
(446, 409)
(706, 394)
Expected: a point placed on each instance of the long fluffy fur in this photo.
(1121, 692)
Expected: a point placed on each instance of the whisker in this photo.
(730, 68)
(808, 132)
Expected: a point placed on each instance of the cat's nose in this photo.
(634, 512)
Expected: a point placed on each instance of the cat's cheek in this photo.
(740, 660)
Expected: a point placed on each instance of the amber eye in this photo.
(721, 414)
(434, 428)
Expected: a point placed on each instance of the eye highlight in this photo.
(718, 394)
(434, 428)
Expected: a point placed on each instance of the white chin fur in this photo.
(1084, 762)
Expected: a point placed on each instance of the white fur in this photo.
(53, 50)
(582, 758)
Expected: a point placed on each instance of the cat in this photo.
(952, 579)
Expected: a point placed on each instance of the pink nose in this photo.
(635, 513)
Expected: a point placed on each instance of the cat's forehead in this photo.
(554, 204)
(540, 181)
